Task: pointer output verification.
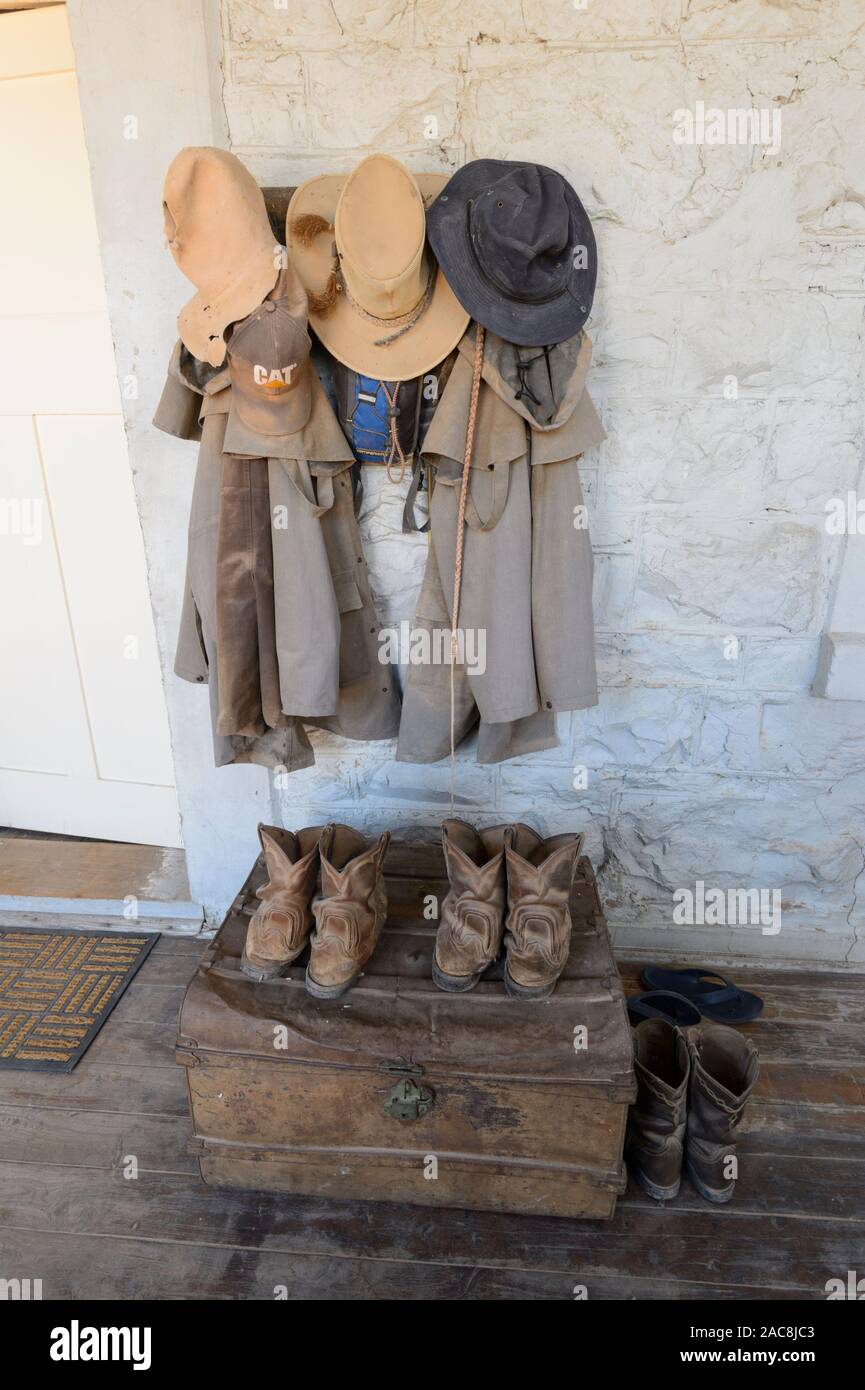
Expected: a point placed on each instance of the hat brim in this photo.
(527, 325)
(346, 333)
(202, 322)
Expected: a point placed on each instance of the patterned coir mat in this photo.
(58, 987)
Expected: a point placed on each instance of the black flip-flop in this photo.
(725, 1003)
(663, 1003)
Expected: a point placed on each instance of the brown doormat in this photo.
(57, 987)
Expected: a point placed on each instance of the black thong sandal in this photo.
(663, 1003)
(724, 1002)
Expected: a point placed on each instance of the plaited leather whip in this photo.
(477, 369)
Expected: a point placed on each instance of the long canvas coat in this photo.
(527, 563)
(278, 617)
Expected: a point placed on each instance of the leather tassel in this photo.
(308, 226)
(323, 302)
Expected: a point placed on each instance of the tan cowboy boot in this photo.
(280, 928)
(538, 924)
(349, 911)
(656, 1120)
(469, 937)
(724, 1067)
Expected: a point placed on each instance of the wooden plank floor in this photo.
(70, 1214)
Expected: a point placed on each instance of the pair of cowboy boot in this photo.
(508, 886)
(342, 921)
(692, 1088)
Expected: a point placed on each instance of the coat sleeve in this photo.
(180, 404)
(190, 661)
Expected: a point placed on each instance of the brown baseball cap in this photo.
(268, 361)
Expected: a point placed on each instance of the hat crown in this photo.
(215, 217)
(523, 233)
(268, 361)
(274, 334)
(380, 231)
(272, 340)
(380, 223)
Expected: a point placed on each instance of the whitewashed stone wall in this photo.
(707, 758)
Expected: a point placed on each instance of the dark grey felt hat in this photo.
(517, 248)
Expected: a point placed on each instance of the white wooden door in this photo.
(84, 743)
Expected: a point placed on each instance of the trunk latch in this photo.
(407, 1100)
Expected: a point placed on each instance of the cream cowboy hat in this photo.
(377, 299)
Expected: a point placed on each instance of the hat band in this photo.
(403, 322)
(491, 278)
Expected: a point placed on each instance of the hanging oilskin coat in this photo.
(278, 614)
(527, 564)
(194, 405)
(325, 622)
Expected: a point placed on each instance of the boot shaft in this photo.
(349, 910)
(280, 927)
(540, 875)
(352, 878)
(472, 911)
(662, 1067)
(291, 860)
(724, 1067)
(656, 1120)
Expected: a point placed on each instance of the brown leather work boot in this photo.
(724, 1067)
(349, 911)
(656, 1120)
(538, 925)
(469, 937)
(280, 927)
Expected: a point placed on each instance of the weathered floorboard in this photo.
(67, 1211)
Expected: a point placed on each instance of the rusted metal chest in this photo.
(401, 1093)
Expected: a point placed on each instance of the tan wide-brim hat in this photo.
(219, 233)
(391, 314)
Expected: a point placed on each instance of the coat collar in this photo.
(558, 382)
(501, 427)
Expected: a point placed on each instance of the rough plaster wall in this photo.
(707, 513)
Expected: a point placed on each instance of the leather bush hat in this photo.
(518, 249)
(220, 236)
(377, 300)
(268, 362)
